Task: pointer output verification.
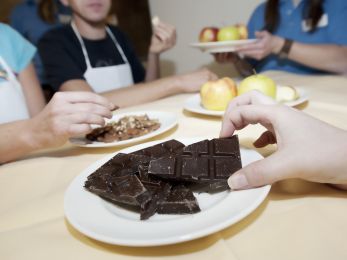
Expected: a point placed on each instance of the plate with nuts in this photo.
(128, 128)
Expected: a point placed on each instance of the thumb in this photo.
(259, 173)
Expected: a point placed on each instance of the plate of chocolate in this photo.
(127, 128)
(161, 193)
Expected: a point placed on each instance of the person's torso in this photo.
(293, 26)
(101, 53)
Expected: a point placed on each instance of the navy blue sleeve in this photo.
(137, 68)
(56, 49)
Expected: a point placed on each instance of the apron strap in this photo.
(108, 30)
(84, 49)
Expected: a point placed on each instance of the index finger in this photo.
(253, 98)
(88, 97)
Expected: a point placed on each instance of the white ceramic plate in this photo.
(167, 120)
(108, 223)
(224, 46)
(193, 104)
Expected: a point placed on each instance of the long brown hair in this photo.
(47, 10)
(313, 11)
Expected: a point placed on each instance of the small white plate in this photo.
(223, 46)
(193, 104)
(108, 223)
(167, 121)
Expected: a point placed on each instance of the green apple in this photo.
(229, 33)
(258, 82)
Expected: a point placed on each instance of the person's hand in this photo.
(267, 44)
(307, 148)
(163, 38)
(68, 114)
(192, 82)
(225, 57)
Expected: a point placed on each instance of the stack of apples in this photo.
(227, 33)
(216, 95)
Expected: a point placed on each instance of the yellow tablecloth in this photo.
(298, 220)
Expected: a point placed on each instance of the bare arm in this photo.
(333, 60)
(32, 90)
(163, 39)
(66, 115)
(153, 67)
(146, 92)
(328, 57)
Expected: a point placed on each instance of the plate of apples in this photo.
(225, 39)
(215, 96)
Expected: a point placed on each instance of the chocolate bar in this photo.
(210, 162)
(162, 149)
(158, 179)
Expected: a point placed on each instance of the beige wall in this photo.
(189, 17)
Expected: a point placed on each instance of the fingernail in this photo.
(237, 182)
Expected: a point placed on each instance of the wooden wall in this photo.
(5, 8)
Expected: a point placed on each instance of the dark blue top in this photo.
(331, 30)
(63, 59)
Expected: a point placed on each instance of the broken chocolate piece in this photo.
(124, 189)
(159, 190)
(211, 162)
(120, 165)
(180, 201)
(151, 180)
(162, 149)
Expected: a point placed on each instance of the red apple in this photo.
(208, 34)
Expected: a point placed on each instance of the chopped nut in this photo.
(125, 128)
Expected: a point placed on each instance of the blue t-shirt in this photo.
(14, 49)
(26, 20)
(291, 27)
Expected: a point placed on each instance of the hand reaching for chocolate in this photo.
(307, 148)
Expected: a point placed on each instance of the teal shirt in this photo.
(290, 26)
(14, 49)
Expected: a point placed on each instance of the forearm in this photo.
(332, 58)
(16, 140)
(132, 95)
(153, 67)
(144, 92)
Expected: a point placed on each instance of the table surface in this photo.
(298, 220)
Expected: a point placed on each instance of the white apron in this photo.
(104, 79)
(12, 101)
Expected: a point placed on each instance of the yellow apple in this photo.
(258, 82)
(229, 33)
(215, 95)
(243, 31)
